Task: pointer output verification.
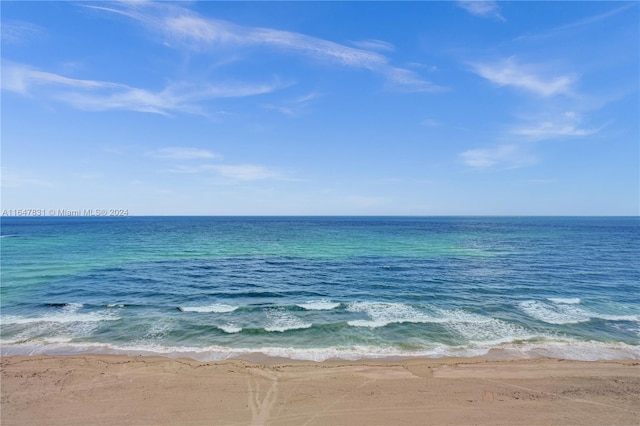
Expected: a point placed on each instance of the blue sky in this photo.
(336, 108)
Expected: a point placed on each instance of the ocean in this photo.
(318, 288)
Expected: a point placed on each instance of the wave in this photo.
(554, 314)
(215, 308)
(472, 327)
(67, 306)
(67, 313)
(230, 328)
(567, 313)
(382, 314)
(281, 321)
(565, 300)
(480, 329)
(560, 349)
(394, 267)
(319, 305)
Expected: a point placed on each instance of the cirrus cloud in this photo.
(526, 77)
(509, 156)
(182, 153)
(186, 29)
(232, 172)
(482, 8)
(94, 95)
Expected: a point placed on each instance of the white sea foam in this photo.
(157, 330)
(479, 329)
(355, 353)
(565, 301)
(382, 314)
(554, 314)
(72, 307)
(63, 324)
(319, 305)
(572, 350)
(215, 308)
(67, 314)
(564, 313)
(617, 317)
(280, 320)
(217, 353)
(475, 328)
(230, 328)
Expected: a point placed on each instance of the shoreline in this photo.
(117, 389)
(566, 350)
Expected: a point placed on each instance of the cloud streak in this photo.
(577, 25)
(567, 125)
(93, 95)
(525, 77)
(17, 179)
(245, 172)
(482, 8)
(187, 29)
(229, 172)
(17, 32)
(509, 156)
(233, 172)
(371, 44)
(182, 153)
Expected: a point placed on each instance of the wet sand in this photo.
(116, 390)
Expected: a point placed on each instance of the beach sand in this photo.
(113, 390)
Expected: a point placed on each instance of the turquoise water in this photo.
(321, 287)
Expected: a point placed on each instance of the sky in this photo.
(321, 108)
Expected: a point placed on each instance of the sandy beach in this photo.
(112, 390)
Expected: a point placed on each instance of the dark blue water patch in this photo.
(159, 276)
(55, 305)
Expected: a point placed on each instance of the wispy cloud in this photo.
(12, 178)
(187, 29)
(304, 99)
(22, 78)
(182, 153)
(566, 125)
(371, 44)
(246, 172)
(483, 8)
(96, 95)
(530, 78)
(508, 156)
(233, 172)
(294, 106)
(430, 122)
(17, 32)
(427, 67)
(576, 25)
(523, 137)
(553, 96)
(404, 80)
(279, 108)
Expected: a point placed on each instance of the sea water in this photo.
(319, 288)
